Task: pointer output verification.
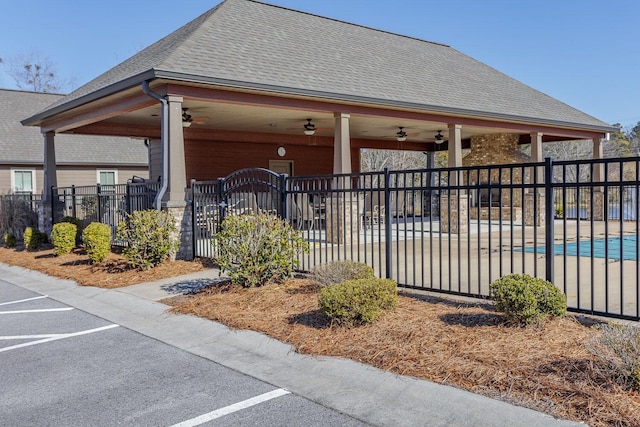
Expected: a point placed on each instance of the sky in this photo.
(585, 53)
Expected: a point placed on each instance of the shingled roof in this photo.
(249, 44)
(25, 145)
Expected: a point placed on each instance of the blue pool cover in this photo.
(629, 248)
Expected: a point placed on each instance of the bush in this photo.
(151, 237)
(75, 221)
(97, 241)
(63, 237)
(16, 214)
(527, 299)
(33, 238)
(9, 240)
(618, 347)
(358, 301)
(340, 271)
(255, 249)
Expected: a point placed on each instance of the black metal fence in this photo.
(455, 230)
(108, 204)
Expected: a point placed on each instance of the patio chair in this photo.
(374, 209)
(242, 203)
(307, 212)
(265, 201)
(398, 204)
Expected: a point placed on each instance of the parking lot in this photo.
(62, 366)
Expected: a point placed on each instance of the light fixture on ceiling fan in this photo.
(401, 135)
(186, 118)
(439, 138)
(309, 128)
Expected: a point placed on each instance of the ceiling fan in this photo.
(438, 138)
(307, 127)
(402, 135)
(188, 119)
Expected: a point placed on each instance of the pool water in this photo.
(600, 249)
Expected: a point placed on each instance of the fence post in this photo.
(282, 193)
(222, 203)
(73, 201)
(548, 219)
(194, 218)
(52, 203)
(387, 225)
(99, 203)
(127, 198)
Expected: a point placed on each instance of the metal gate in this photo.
(243, 192)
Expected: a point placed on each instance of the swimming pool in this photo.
(600, 248)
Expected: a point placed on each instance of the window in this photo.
(107, 180)
(23, 181)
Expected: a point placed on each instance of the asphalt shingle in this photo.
(25, 145)
(252, 44)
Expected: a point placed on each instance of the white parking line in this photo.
(23, 300)
(42, 310)
(29, 337)
(232, 408)
(60, 337)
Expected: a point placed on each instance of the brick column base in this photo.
(453, 214)
(184, 223)
(343, 223)
(598, 205)
(45, 217)
(530, 219)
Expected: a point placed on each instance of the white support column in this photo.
(50, 170)
(177, 178)
(536, 156)
(599, 202)
(455, 150)
(598, 153)
(341, 144)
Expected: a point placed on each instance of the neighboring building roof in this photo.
(249, 44)
(25, 145)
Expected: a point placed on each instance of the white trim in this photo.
(114, 171)
(33, 179)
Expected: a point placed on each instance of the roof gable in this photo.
(246, 43)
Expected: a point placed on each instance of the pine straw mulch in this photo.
(465, 345)
(113, 273)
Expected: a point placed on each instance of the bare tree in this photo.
(376, 160)
(35, 72)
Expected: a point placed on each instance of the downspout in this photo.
(164, 142)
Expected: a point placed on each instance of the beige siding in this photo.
(155, 159)
(5, 177)
(68, 176)
(5, 180)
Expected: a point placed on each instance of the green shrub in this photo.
(75, 221)
(63, 237)
(527, 299)
(97, 241)
(340, 271)
(9, 240)
(358, 301)
(151, 237)
(33, 238)
(618, 347)
(255, 249)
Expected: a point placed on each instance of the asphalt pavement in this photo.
(116, 357)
